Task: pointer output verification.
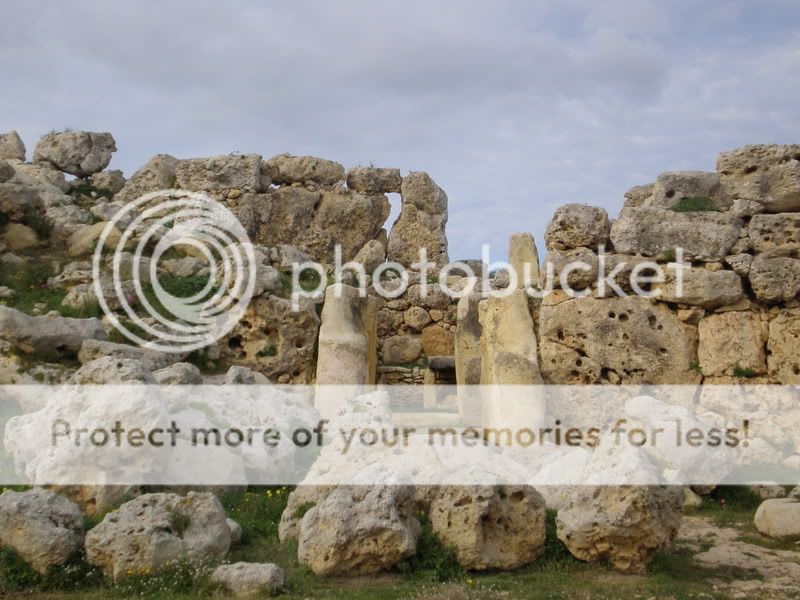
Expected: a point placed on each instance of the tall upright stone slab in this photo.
(509, 359)
(468, 355)
(524, 259)
(421, 223)
(347, 353)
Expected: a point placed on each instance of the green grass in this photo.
(743, 372)
(433, 560)
(694, 204)
(29, 282)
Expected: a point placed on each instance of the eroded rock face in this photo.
(45, 529)
(490, 527)
(92, 349)
(359, 530)
(11, 146)
(467, 342)
(775, 278)
(625, 525)
(80, 153)
(581, 264)
(730, 340)
(626, 340)
(673, 186)
(765, 173)
(145, 535)
(158, 173)
(288, 169)
(401, 349)
(113, 370)
(220, 173)
(523, 257)
(779, 518)
(701, 287)
(273, 339)
(771, 231)
(249, 579)
(111, 181)
(374, 180)
(47, 333)
(784, 338)
(651, 231)
(421, 223)
(575, 225)
(179, 374)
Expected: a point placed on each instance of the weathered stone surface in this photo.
(44, 177)
(84, 240)
(220, 173)
(371, 255)
(401, 349)
(157, 174)
(775, 278)
(347, 343)
(238, 375)
(652, 231)
(770, 231)
(6, 171)
(98, 499)
(416, 317)
(288, 169)
(740, 263)
(673, 186)
(374, 180)
(468, 355)
(236, 531)
(701, 287)
(43, 528)
(639, 195)
(314, 221)
(779, 518)
(248, 579)
(421, 223)
(437, 341)
(729, 340)
(11, 146)
(179, 374)
(68, 219)
(111, 181)
(630, 339)
(523, 257)
(783, 357)
(490, 527)
(80, 153)
(92, 349)
(47, 333)
(764, 173)
(625, 525)
(19, 237)
(113, 370)
(147, 534)
(273, 339)
(581, 262)
(575, 225)
(359, 530)
(18, 200)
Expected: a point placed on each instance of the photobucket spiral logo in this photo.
(187, 223)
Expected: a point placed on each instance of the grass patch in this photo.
(433, 560)
(694, 204)
(743, 372)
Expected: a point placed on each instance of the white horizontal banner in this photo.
(417, 435)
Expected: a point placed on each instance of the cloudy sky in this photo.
(513, 107)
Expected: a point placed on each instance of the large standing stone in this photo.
(47, 333)
(626, 525)
(765, 173)
(43, 528)
(651, 231)
(80, 153)
(220, 173)
(359, 530)
(374, 180)
(248, 579)
(673, 186)
(629, 340)
(468, 339)
(288, 169)
(421, 223)
(730, 340)
(779, 518)
(273, 339)
(153, 531)
(11, 146)
(575, 225)
(784, 348)
(490, 527)
(347, 352)
(157, 174)
(524, 259)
